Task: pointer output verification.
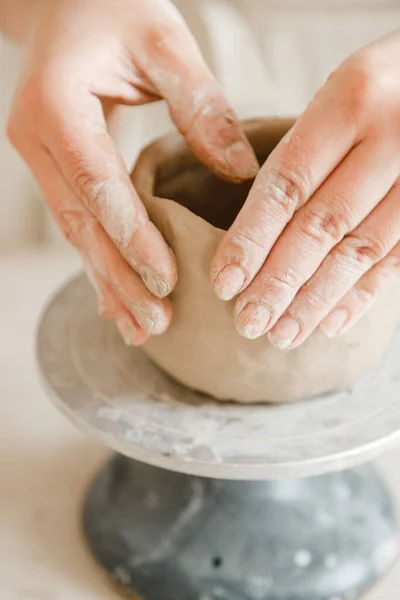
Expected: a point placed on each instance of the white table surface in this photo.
(46, 464)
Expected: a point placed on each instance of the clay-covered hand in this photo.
(318, 237)
(84, 58)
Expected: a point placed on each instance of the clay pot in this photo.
(202, 349)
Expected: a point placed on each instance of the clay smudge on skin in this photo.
(166, 82)
(253, 320)
(281, 345)
(126, 329)
(257, 322)
(200, 96)
(274, 190)
(241, 253)
(117, 210)
(143, 318)
(153, 281)
(147, 310)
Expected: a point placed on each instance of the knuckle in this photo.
(326, 227)
(280, 288)
(286, 189)
(367, 80)
(385, 271)
(72, 224)
(312, 298)
(244, 243)
(210, 108)
(92, 191)
(273, 290)
(162, 39)
(365, 294)
(282, 281)
(360, 72)
(316, 297)
(362, 251)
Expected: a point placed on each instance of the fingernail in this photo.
(284, 333)
(154, 282)
(253, 320)
(144, 320)
(126, 329)
(241, 157)
(334, 322)
(229, 282)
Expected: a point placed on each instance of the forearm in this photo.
(17, 16)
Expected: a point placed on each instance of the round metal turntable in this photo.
(174, 526)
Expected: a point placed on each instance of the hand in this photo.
(86, 57)
(318, 237)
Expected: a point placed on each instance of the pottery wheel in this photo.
(196, 534)
(120, 397)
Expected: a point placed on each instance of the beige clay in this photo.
(202, 349)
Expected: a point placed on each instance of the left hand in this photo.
(318, 237)
(84, 59)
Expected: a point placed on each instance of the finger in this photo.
(77, 137)
(359, 251)
(111, 308)
(172, 61)
(152, 314)
(83, 231)
(300, 163)
(340, 204)
(362, 296)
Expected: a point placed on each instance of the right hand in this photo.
(84, 58)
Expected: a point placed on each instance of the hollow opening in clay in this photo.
(182, 178)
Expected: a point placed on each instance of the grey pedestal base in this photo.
(223, 520)
(170, 536)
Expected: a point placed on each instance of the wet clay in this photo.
(192, 208)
